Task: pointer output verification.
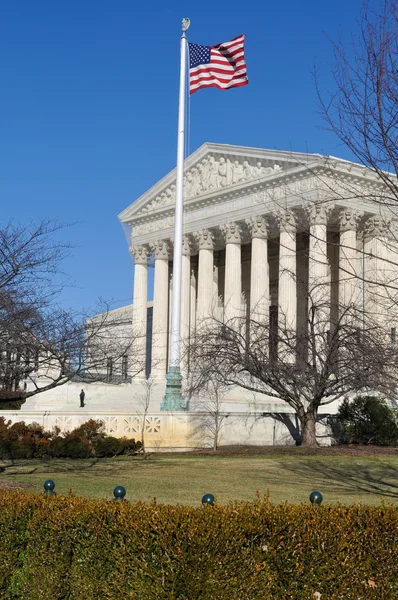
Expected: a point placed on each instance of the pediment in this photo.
(215, 169)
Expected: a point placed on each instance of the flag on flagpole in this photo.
(222, 66)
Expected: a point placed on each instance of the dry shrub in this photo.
(75, 548)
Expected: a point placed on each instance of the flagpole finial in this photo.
(185, 24)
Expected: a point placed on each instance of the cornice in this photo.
(284, 184)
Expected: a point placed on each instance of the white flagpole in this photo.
(173, 399)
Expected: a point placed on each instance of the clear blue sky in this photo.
(88, 108)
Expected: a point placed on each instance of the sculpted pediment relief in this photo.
(215, 170)
(212, 173)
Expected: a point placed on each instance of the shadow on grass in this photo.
(380, 479)
(94, 466)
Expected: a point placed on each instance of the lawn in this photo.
(185, 478)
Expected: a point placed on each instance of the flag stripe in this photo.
(219, 76)
(222, 66)
(222, 71)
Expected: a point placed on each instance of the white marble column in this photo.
(287, 287)
(192, 321)
(348, 259)
(161, 250)
(318, 267)
(185, 301)
(233, 271)
(205, 241)
(259, 275)
(140, 301)
(380, 272)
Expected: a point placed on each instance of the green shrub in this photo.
(368, 420)
(75, 548)
(71, 446)
(23, 441)
(108, 446)
(91, 430)
(129, 446)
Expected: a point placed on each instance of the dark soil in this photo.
(339, 450)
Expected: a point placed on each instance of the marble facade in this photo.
(261, 229)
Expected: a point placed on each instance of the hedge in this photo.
(19, 440)
(54, 547)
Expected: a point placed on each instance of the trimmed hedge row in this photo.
(80, 549)
(19, 440)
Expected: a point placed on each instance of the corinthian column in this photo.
(380, 272)
(185, 300)
(287, 288)
(161, 250)
(205, 241)
(348, 258)
(318, 267)
(140, 301)
(259, 275)
(233, 271)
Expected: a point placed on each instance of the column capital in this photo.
(186, 245)
(204, 239)
(349, 218)
(161, 249)
(318, 213)
(232, 233)
(287, 220)
(378, 227)
(140, 253)
(258, 227)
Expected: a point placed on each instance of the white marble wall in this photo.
(179, 431)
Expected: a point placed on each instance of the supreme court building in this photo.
(260, 228)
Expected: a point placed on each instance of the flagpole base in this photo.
(173, 399)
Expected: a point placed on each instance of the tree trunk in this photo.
(215, 438)
(308, 429)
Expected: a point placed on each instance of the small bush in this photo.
(129, 446)
(368, 420)
(91, 430)
(108, 446)
(71, 446)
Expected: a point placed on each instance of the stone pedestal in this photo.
(173, 399)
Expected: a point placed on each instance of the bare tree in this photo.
(326, 359)
(42, 345)
(208, 405)
(144, 403)
(362, 109)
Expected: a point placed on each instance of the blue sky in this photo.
(88, 108)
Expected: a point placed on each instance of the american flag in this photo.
(222, 66)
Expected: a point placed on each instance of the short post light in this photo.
(119, 493)
(49, 486)
(316, 498)
(208, 500)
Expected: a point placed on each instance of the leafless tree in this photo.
(143, 403)
(42, 345)
(327, 358)
(362, 108)
(208, 406)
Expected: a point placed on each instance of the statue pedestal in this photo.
(173, 399)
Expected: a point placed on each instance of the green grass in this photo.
(184, 479)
